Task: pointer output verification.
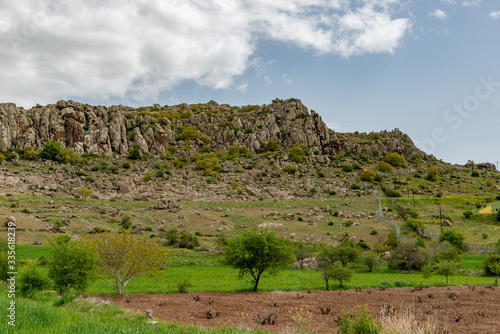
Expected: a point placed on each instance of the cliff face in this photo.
(112, 130)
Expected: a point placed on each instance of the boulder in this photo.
(386, 256)
(446, 222)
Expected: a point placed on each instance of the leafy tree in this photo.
(73, 264)
(254, 253)
(450, 254)
(446, 268)
(123, 257)
(490, 260)
(326, 261)
(346, 252)
(370, 260)
(84, 192)
(341, 274)
(455, 238)
(50, 150)
(408, 256)
(494, 268)
(297, 154)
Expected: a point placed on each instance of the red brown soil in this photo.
(183, 309)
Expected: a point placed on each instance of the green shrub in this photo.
(408, 256)
(290, 169)
(354, 186)
(455, 238)
(126, 222)
(134, 153)
(32, 277)
(347, 168)
(30, 154)
(467, 214)
(69, 156)
(297, 154)
(367, 175)
(209, 163)
(270, 145)
(475, 174)
(50, 150)
(396, 160)
(392, 193)
(415, 158)
(432, 174)
(384, 167)
(412, 213)
(2, 158)
(89, 179)
(73, 264)
(490, 260)
(359, 323)
(183, 285)
(171, 237)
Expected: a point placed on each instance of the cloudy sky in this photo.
(429, 68)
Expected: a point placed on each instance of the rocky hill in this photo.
(192, 152)
(111, 131)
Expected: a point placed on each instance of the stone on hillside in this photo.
(9, 221)
(386, 256)
(446, 222)
(309, 262)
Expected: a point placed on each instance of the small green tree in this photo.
(326, 260)
(346, 252)
(341, 274)
(455, 238)
(446, 268)
(254, 253)
(32, 277)
(84, 192)
(124, 257)
(73, 264)
(50, 150)
(495, 269)
(384, 167)
(370, 260)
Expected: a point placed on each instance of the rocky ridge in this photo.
(111, 131)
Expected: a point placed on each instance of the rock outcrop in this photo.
(113, 130)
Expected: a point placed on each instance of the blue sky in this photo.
(429, 68)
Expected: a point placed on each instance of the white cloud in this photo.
(451, 2)
(439, 14)
(137, 49)
(471, 3)
(242, 88)
(495, 14)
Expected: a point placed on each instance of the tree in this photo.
(84, 192)
(254, 253)
(50, 150)
(73, 264)
(346, 252)
(495, 269)
(341, 274)
(326, 260)
(370, 260)
(446, 268)
(408, 256)
(455, 238)
(123, 257)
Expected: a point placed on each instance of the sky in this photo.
(429, 68)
